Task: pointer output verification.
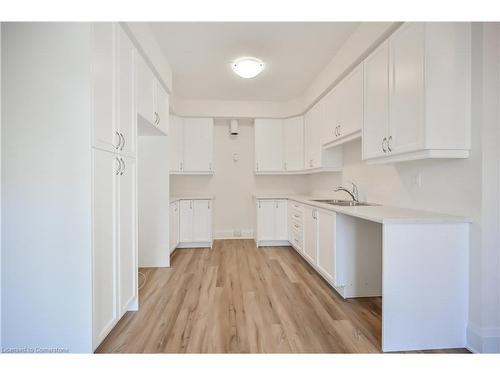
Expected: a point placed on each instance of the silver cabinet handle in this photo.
(259, 204)
(389, 144)
(123, 144)
(191, 205)
(119, 166)
(339, 130)
(336, 131)
(208, 204)
(210, 166)
(159, 118)
(123, 169)
(181, 166)
(119, 140)
(257, 166)
(384, 141)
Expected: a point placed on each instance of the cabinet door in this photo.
(202, 221)
(174, 225)
(265, 220)
(162, 110)
(126, 109)
(104, 254)
(175, 141)
(280, 220)
(186, 221)
(293, 134)
(145, 90)
(316, 128)
(198, 144)
(268, 145)
(376, 102)
(310, 234)
(308, 139)
(407, 88)
(351, 103)
(103, 124)
(127, 227)
(326, 243)
(332, 117)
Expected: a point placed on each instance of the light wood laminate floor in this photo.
(236, 298)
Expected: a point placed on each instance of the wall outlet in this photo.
(237, 233)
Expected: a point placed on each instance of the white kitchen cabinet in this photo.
(272, 222)
(114, 240)
(175, 143)
(376, 102)
(126, 116)
(198, 144)
(269, 145)
(174, 225)
(195, 223)
(145, 90)
(265, 219)
(162, 107)
(293, 137)
(428, 81)
(326, 243)
(105, 244)
(344, 112)
(310, 234)
(152, 101)
(114, 128)
(317, 158)
(127, 237)
(202, 221)
(406, 84)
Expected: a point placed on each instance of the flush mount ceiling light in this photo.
(247, 67)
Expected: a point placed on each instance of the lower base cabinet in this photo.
(195, 223)
(174, 225)
(114, 240)
(272, 222)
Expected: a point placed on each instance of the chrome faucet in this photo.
(354, 194)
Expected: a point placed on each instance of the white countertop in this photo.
(193, 197)
(380, 214)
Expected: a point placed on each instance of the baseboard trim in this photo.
(246, 234)
(193, 245)
(483, 340)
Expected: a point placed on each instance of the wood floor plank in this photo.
(236, 298)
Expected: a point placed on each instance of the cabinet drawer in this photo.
(296, 226)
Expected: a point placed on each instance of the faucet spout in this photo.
(353, 194)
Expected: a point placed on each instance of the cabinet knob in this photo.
(384, 142)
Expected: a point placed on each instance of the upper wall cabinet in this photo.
(316, 158)
(279, 145)
(269, 145)
(344, 110)
(114, 121)
(152, 101)
(293, 136)
(191, 145)
(417, 94)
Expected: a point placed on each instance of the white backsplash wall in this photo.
(234, 182)
(448, 186)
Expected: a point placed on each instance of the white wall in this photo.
(153, 201)
(46, 186)
(234, 183)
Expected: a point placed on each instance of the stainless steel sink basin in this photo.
(338, 202)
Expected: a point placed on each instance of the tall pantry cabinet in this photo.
(114, 250)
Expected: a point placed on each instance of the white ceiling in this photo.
(201, 53)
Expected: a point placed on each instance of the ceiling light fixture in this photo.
(247, 67)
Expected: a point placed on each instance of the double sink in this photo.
(339, 202)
